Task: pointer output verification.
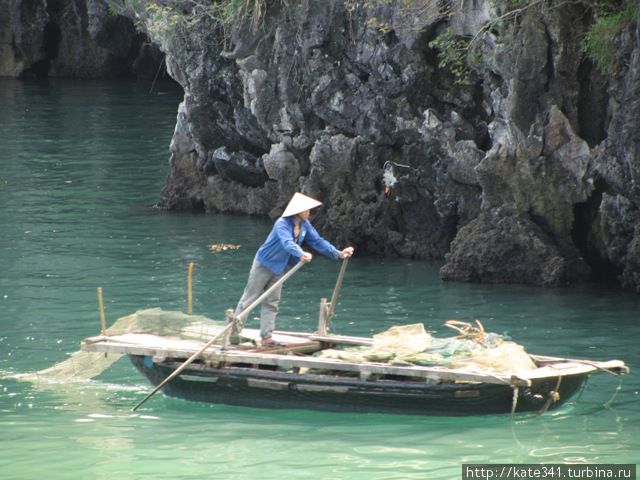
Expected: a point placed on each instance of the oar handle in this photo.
(336, 290)
(223, 332)
(103, 321)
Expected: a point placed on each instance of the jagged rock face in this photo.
(71, 38)
(537, 183)
(508, 177)
(527, 171)
(543, 171)
(615, 233)
(503, 246)
(335, 108)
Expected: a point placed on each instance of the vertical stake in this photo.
(230, 318)
(103, 322)
(323, 328)
(190, 289)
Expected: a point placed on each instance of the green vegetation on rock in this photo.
(611, 19)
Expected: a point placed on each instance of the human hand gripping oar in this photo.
(223, 332)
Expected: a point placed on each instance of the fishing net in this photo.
(167, 323)
(411, 345)
(82, 366)
(473, 349)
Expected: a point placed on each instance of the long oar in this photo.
(244, 313)
(336, 290)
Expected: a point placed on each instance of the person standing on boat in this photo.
(282, 248)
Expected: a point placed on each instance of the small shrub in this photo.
(453, 55)
(610, 22)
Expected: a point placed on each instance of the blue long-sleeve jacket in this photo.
(280, 249)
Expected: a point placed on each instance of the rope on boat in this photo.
(554, 396)
(583, 387)
(608, 403)
(597, 366)
(514, 400)
(468, 331)
(601, 368)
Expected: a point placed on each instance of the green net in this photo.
(412, 345)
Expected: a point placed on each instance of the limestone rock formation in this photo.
(519, 170)
(71, 38)
(471, 131)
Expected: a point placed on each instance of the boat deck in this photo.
(295, 356)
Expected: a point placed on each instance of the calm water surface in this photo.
(80, 163)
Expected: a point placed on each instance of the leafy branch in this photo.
(453, 55)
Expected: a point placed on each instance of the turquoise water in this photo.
(80, 164)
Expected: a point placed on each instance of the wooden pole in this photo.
(224, 331)
(322, 317)
(336, 290)
(230, 320)
(259, 300)
(190, 289)
(178, 370)
(103, 321)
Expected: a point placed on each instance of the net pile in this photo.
(412, 345)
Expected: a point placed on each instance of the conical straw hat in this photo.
(300, 203)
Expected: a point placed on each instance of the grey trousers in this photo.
(260, 279)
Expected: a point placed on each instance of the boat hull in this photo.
(265, 388)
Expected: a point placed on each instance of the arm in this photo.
(285, 235)
(319, 244)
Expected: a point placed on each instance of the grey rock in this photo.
(281, 165)
(350, 104)
(68, 38)
(527, 172)
(504, 247)
(241, 167)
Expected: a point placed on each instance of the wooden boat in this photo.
(292, 377)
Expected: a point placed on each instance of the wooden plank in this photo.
(329, 338)
(99, 338)
(302, 387)
(204, 332)
(576, 367)
(306, 347)
(435, 374)
(267, 384)
(112, 346)
(156, 341)
(337, 339)
(342, 340)
(542, 359)
(163, 347)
